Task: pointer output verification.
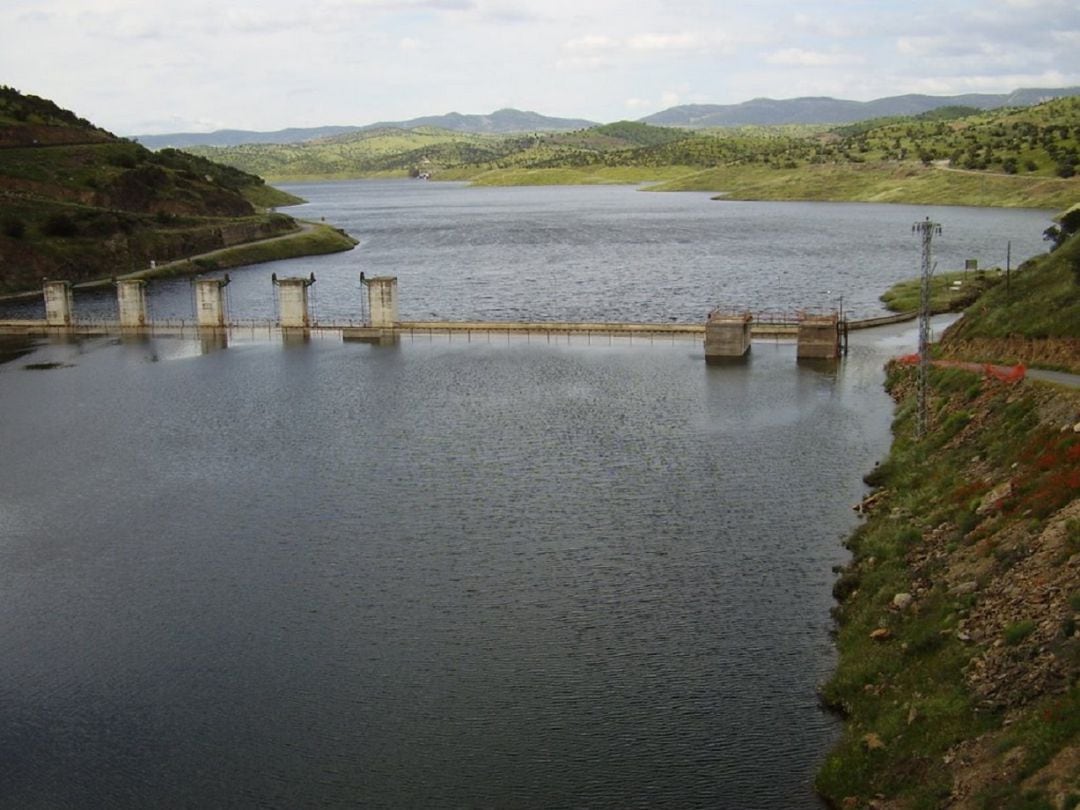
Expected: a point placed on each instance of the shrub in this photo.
(125, 160)
(1018, 631)
(59, 225)
(14, 227)
(1074, 601)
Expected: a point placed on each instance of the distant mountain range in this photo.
(500, 122)
(823, 110)
(758, 111)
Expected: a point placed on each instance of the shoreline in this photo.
(878, 184)
(309, 239)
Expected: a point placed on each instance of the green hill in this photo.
(1033, 318)
(1024, 157)
(368, 153)
(80, 203)
(959, 651)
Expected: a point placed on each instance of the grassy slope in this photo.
(1041, 299)
(885, 182)
(949, 292)
(910, 699)
(1000, 158)
(365, 154)
(969, 696)
(317, 239)
(79, 203)
(599, 175)
(1033, 319)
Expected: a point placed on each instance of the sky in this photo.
(157, 66)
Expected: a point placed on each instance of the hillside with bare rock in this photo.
(959, 613)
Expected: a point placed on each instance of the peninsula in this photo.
(78, 203)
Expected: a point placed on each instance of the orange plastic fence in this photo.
(1009, 374)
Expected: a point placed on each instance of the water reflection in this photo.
(443, 574)
(213, 340)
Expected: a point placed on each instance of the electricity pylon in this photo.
(927, 230)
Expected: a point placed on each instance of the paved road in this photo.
(1058, 377)
(164, 267)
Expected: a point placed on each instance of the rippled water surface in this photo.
(604, 253)
(430, 575)
(448, 574)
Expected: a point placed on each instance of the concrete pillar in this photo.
(293, 301)
(210, 301)
(727, 334)
(131, 301)
(819, 337)
(59, 304)
(382, 300)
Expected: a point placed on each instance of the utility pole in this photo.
(926, 230)
(1008, 266)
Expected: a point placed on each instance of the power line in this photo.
(927, 230)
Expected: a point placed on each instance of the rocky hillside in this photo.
(959, 672)
(79, 203)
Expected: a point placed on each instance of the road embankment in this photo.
(959, 657)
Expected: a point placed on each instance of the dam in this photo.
(725, 334)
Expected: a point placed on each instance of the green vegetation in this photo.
(906, 694)
(26, 117)
(79, 203)
(1041, 299)
(959, 658)
(949, 292)
(881, 182)
(1018, 631)
(1012, 157)
(316, 239)
(569, 177)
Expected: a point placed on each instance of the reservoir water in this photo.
(436, 574)
(599, 253)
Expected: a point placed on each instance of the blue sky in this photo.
(151, 66)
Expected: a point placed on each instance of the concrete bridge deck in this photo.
(775, 329)
(404, 328)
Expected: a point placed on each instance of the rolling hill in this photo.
(1024, 156)
(78, 203)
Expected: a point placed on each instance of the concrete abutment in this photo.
(293, 312)
(131, 303)
(727, 335)
(819, 337)
(382, 300)
(59, 303)
(210, 302)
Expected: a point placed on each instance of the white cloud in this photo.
(664, 42)
(799, 57)
(266, 64)
(590, 42)
(1067, 39)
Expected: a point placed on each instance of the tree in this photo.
(1069, 224)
